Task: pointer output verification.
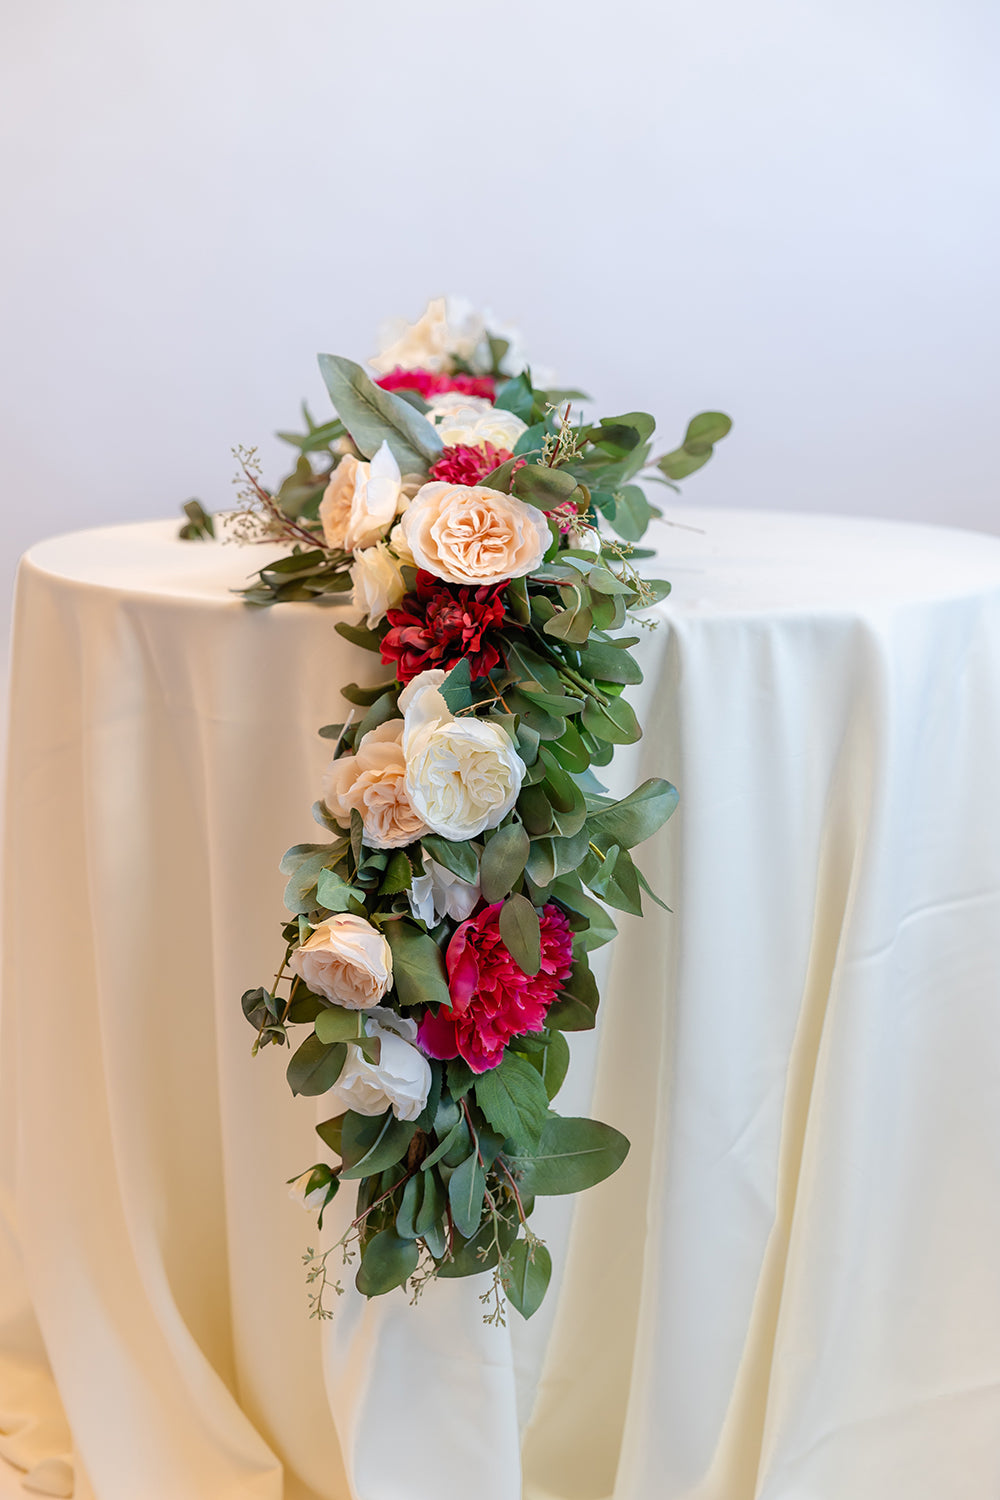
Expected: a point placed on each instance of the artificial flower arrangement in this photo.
(437, 951)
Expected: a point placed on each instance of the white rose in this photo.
(347, 960)
(361, 501)
(475, 422)
(401, 547)
(377, 580)
(401, 1079)
(438, 893)
(450, 326)
(311, 1197)
(462, 774)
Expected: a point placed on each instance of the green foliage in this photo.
(527, 1275)
(370, 1143)
(520, 931)
(513, 1099)
(387, 1261)
(418, 969)
(572, 1155)
(199, 525)
(503, 861)
(703, 432)
(315, 1067)
(373, 416)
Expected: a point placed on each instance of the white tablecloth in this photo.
(790, 1292)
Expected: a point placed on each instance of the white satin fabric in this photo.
(789, 1292)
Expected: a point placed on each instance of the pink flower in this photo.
(428, 384)
(464, 464)
(492, 998)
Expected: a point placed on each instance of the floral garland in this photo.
(437, 952)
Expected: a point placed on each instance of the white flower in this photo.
(401, 547)
(315, 1197)
(449, 326)
(347, 960)
(474, 421)
(438, 893)
(361, 501)
(401, 1078)
(462, 774)
(377, 580)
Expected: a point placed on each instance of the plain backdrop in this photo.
(788, 210)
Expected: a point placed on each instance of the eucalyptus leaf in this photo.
(528, 1271)
(387, 1261)
(373, 416)
(370, 1143)
(572, 1155)
(521, 934)
(418, 968)
(335, 1024)
(458, 857)
(503, 861)
(466, 1192)
(636, 817)
(315, 1067)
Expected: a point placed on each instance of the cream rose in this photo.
(361, 501)
(474, 421)
(373, 780)
(377, 580)
(462, 774)
(400, 1080)
(347, 960)
(449, 326)
(473, 535)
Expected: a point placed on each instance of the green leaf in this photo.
(516, 395)
(432, 1207)
(614, 879)
(636, 818)
(601, 926)
(387, 1261)
(305, 1007)
(460, 858)
(380, 712)
(615, 722)
(456, 689)
(572, 1155)
(466, 1192)
(335, 1024)
(632, 513)
(359, 635)
(333, 892)
(521, 934)
(199, 523)
(607, 663)
(543, 487)
(576, 1007)
(329, 1132)
(418, 969)
(303, 863)
(398, 874)
(619, 435)
(257, 1005)
(481, 1252)
(513, 1099)
(460, 1077)
(528, 1271)
(703, 432)
(531, 439)
(552, 1063)
(373, 416)
(370, 1143)
(503, 861)
(314, 1067)
(410, 1205)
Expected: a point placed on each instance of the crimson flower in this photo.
(464, 464)
(428, 384)
(441, 623)
(492, 998)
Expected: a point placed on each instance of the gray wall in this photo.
(786, 209)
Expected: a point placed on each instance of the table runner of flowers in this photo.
(439, 934)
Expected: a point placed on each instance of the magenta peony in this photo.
(492, 998)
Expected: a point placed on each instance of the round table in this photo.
(788, 1293)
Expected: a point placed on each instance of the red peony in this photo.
(441, 623)
(428, 385)
(464, 464)
(492, 998)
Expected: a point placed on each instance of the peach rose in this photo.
(473, 535)
(373, 780)
(346, 960)
(361, 501)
